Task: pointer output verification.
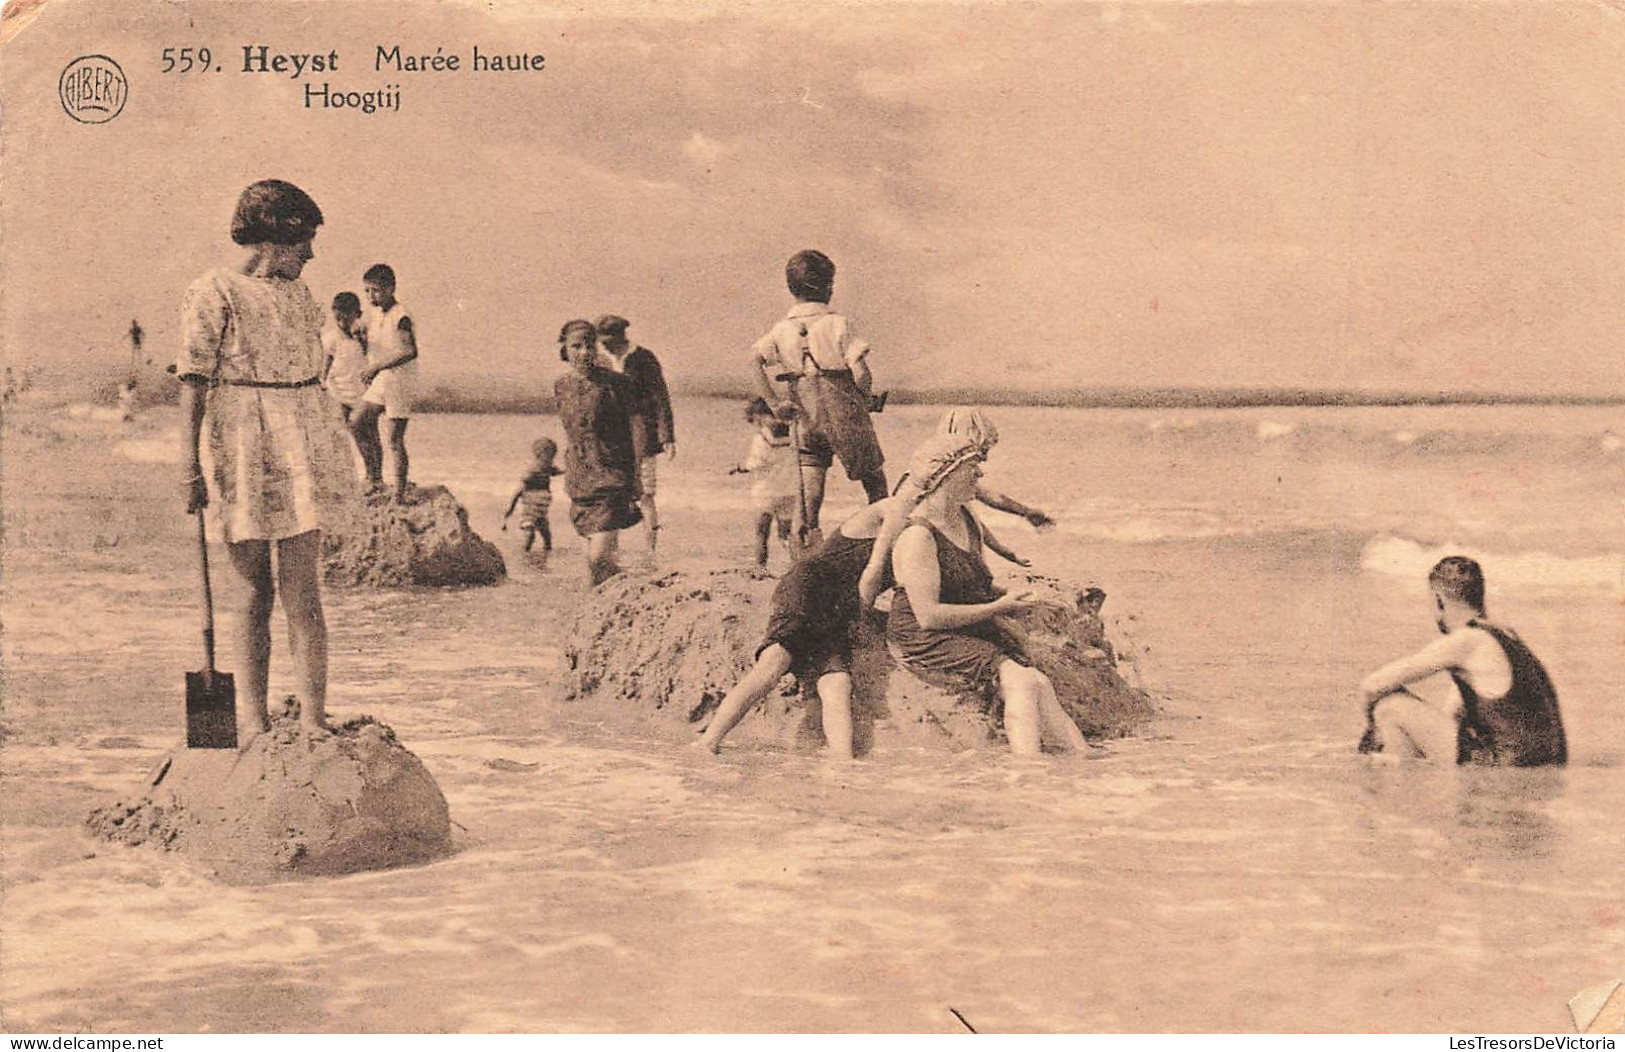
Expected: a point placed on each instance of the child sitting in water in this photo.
(535, 495)
(774, 487)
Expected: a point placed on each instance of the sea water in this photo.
(1235, 867)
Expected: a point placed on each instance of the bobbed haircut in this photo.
(347, 303)
(544, 449)
(1460, 578)
(573, 325)
(810, 275)
(275, 212)
(381, 274)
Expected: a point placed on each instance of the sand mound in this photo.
(666, 650)
(288, 805)
(424, 542)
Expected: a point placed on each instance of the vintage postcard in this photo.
(880, 515)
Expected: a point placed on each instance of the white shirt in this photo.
(830, 342)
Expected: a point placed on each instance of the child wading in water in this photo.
(600, 464)
(535, 495)
(831, 389)
(771, 461)
(821, 599)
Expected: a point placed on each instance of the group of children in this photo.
(371, 370)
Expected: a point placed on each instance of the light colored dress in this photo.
(278, 459)
(349, 362)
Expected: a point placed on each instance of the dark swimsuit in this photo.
(815, 606)
(1523, 727)
(962, 660)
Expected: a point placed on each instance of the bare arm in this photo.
(914, 561)
(764, 387)
(1442, 655)
(512, 504)
(998, 548)
(409, 352)
(1000, 502)
(193, 401)
(897, 512)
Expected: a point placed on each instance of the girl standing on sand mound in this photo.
(279, 462)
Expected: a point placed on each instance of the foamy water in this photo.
(1237, 867)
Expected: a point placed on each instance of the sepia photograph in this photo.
(881, 516)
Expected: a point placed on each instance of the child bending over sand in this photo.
(820, 601)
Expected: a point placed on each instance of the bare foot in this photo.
(705, 745)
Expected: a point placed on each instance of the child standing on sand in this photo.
(535, 495)
(771, 462)
(346, 354)
(830, 397)
(391, 374)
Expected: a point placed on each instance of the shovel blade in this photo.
(211, 710)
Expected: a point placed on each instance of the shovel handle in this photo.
(208, 598)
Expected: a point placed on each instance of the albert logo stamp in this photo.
(93, 89)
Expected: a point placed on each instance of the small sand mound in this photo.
(665, 650)
(426, 541)
(288, 805)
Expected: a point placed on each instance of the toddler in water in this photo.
(535, 495)
(775, 487)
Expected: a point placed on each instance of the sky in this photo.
(1418, 197)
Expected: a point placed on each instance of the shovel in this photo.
(211, 696)
(806, 538)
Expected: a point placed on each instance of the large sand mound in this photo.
(424, 542)
(666, 649)
(288, 805)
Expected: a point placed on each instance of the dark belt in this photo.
(277, 385)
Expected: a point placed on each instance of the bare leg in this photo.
(530, 537)
(764, 529)
(252, 562)
(835, 701)
(1411, 728)
(299, 580)
(364, 428)
(1058, 726)
(601, 548)
(1020, 691)
(812, 483)
(651, 521)
(770, 667)
(397, 450)
(547, 535)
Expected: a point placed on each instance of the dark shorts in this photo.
(816, 632)
(604, 513)
(837, 424)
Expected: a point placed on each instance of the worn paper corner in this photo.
(1600, 1009)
